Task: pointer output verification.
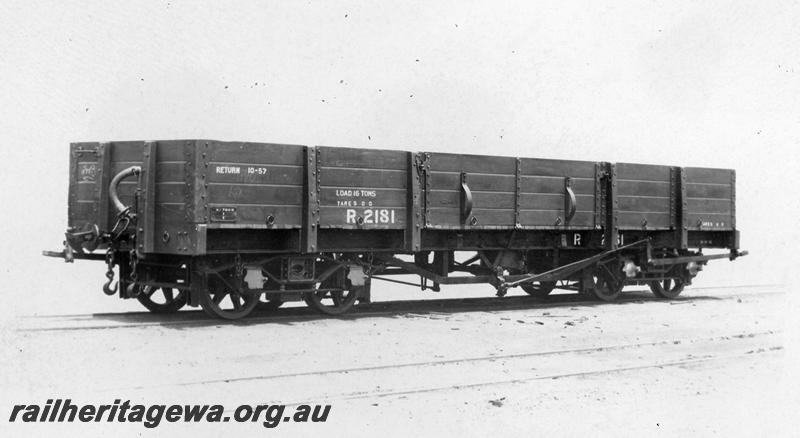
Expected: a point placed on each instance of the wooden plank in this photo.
(472, 164)
(699, 190)
(709, 221)
(643, 204)
(170, 150)
(476, 181)
(255, 174)
(362, 158)
(549, 219)
(258, 194)
(633, 220)
(555, 202)
(80, 212)
(452, 199)
(443, 217)
(642, 172)
(643, 188)
(714, 206)
(540, 184)
(285, 216)
(168, 236)
(707, 175)
(363, 178)
(85, 190)
(255, 154)
(371, 218)
(170, 192)
(451, 218)
(119, 166)
(492, 217)
(170, 172)
(557, 168)
(493, 200)
(363, 197)
(126, 151)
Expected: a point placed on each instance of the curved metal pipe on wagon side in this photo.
(112, 189)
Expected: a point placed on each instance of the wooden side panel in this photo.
(645, 196)
(173, 198)
(509, 192)
(710, 202)
(543, 193)
(362, 188)
(492, 185)
(253, 185)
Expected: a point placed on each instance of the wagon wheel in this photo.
(162, 299)
(333, 302)
(538, 289)
(668, 288)
(222, 301)
(608, 280)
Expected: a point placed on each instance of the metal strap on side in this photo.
(570, 202)
(466, 199)
(112, 188)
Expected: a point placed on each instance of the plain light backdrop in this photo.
(682, 83)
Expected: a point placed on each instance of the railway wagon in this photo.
(235, 226)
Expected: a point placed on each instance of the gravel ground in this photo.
(710, 363)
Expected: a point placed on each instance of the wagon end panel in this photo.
(558, 194)
(87, 169)
(362, 189)
(92, 166)
(470, 192)
(646, 196)
(710, 203)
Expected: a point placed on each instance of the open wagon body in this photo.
(232, 226)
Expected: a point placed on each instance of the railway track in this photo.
(370, 382)
(189, 318)
(420, 350)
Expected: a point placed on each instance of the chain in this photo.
(107, 289)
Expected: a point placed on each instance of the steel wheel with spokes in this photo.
(667, 288)
(538, 289)
(608, 280)
(223, 301)
(331, 297)
(162, 299)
